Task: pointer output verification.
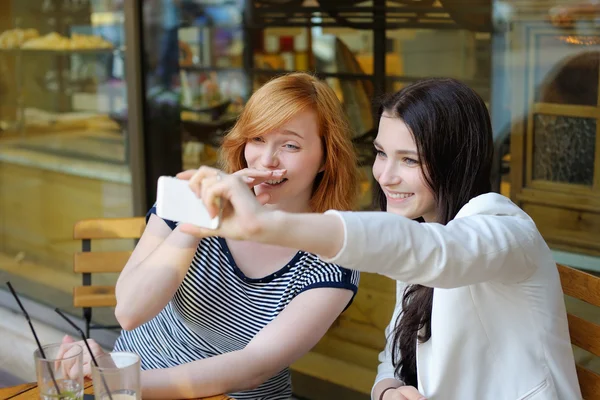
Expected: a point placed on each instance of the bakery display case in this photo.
(64, 155)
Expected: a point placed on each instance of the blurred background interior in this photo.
(100, 97)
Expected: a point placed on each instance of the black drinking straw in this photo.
(34, 335)
(88, 347)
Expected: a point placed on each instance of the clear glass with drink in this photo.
(60, 372)
(117, 376)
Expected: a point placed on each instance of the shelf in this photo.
(216, 111)
(60, 52)
(198, 68)
(357, 17)
(265, 71)
(411, 79)
(339, 75)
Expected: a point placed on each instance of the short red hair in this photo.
(277, 102)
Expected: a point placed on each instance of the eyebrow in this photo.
(289, 132)
(397, 151)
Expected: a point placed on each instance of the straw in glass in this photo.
(34, 335)
(84, 338)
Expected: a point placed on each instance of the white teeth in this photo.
(399, 195)
(274, 182)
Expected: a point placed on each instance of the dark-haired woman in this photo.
(480, 312)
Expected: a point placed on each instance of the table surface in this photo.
(29, 391)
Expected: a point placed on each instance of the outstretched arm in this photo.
(467, 250)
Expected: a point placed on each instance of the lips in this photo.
(398, 196)
(275, 182)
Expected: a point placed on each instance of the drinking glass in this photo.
(60, 371)
(117, 376)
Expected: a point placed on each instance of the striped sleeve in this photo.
(171, 224)
(327, 275)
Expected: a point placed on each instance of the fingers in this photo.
(393, 395)
(211, 206)
(69, 363)
(186, 175)
(64, 346)
(410, 393)
(196, 231)
(216, 190)
(255, 177)
(75, 369)
(203, 173)
(206, 176)
(67, 339)
(87, 358)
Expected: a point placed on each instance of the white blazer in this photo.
(499, 325)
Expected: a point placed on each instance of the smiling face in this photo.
(399, 171)
(295, 146)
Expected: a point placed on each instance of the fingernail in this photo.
(250, 179)
(279, 172)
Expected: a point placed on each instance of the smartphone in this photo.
(175, 201)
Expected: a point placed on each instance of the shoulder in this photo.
(495, 216)
(312, 269)
(492, 204)
(492, 210)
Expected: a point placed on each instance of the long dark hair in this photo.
(453, 133)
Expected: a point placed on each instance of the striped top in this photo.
(217, 309)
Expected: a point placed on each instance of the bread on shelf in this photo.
(15, 38)
(55, 41)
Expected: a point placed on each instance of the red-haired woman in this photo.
(216, 315)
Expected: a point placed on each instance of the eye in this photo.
(379, 153)
(257, 139)
(410, 161)
(290, 146)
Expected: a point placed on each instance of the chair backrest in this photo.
(87, 262)
(584, 334)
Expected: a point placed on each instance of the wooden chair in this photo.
(86, 262)
(584, 334)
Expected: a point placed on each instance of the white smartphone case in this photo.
(175, 201)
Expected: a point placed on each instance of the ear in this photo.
(322, 169)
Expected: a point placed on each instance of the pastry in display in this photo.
(79, 42)
(55, 41)
(15, 38)
(51, 41)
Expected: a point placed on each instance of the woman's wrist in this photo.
(269, 227)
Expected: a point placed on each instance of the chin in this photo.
(399, 212)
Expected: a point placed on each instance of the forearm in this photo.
(146, 286)
(319, 234)
(382, 385)
(226, 373)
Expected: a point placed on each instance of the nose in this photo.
(269, 158)
(390, 176)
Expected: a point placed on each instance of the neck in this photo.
(291, 207)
